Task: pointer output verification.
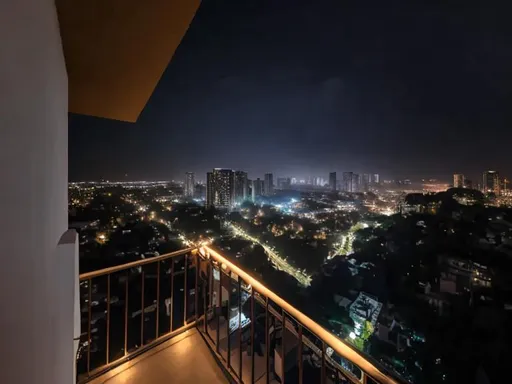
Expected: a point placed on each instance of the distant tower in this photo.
(241, 186)
(365, 182)
(283, 183)
(269, 184)
(347, 181)
(376, 178)
(332, 181)
(350, 182)
(257, 189)
(220, 188)
(491, 182)
(189, 184)
(458, 180)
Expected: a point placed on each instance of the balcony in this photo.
(193, 316)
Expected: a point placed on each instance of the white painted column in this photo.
(33, 194)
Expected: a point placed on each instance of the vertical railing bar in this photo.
(185, 289)
(364, 377)
(252, 335)
(142, 311)
(267, 340)
(217, 310)
(89, 314)
(171, 304)
(299, 352)
(283, 351)
(227, 320)
(239, 327)
(126, 313)
(157, 300)
(206, 293)
(196, 289)
(107, 352)
(323, 362)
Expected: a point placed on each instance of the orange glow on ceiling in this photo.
(117, 50)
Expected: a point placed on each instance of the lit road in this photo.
(280, 263)
(345, 247)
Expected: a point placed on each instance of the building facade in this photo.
(458, 180)
(269, 184)
(190, 183)
(350, 182)
(491, 182)
(332, 181)
(241, 187)
(365, 182)
(257, 188)
(220, 188)
(284, 183)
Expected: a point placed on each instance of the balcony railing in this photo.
(258, 336)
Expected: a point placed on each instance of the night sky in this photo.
(302, 88)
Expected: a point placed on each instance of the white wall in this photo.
(33, 192)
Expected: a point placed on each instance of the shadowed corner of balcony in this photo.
(193, 316)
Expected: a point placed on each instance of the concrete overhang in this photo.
(117, 50)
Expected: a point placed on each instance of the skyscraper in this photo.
(332, 181)
(365, 182)
(190, 184)
(458, 180)
(491, 182)
(350, 182)
(257, 189)
(220, 188)
(283, 183)
(269, 184)
(376, 178)
(241, 186)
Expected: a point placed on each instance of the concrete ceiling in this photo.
(117, 50)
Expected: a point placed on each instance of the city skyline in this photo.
(254, 89)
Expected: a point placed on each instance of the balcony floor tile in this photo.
(184, 359)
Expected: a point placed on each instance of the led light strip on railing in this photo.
(332, 341)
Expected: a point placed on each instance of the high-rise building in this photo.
(350, 182)
(190, 184)
(241, 186)
(220, 188)
(376, 178)
(332, 181)
(491, 182)
(458, 180)
(269, 184)
(365, 182)
(283, 183)
(257, 189)
(347, 181)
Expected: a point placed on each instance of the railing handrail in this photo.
(339, 346)
(133, 264)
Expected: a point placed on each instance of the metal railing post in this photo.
(157, 325)
(252, 335)
(126, 313)
(107, 349)
(142, 313)
(171, 299)
(283, 350)
(299, 354)
(89, 338)
(185, 289)
(267, 341)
